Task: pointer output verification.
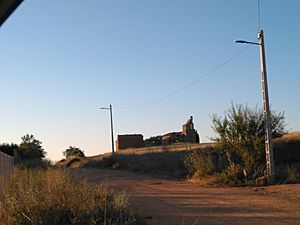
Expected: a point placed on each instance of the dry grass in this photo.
(47, 197)
(169, 161)
(292, 136)
(167, 148)
(287, 149)
(164, 161)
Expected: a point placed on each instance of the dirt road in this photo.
(169, 202)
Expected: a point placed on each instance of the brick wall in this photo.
(130, 141)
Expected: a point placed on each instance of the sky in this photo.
(157, 62)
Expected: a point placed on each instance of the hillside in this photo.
(168, 161)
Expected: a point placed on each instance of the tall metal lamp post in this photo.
(266, 107)
(111, 128)
(7, 8)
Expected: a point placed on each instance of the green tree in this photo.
(9, 149)
(153, 141)
(241, 135)
(73, 152)
(197, 138)
(31, 148)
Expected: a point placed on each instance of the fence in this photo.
(6, 167)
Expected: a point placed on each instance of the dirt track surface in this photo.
(169, 202)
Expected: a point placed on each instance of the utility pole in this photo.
(266, 111)
(111, 129)
(266, 107)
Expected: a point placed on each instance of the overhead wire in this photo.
(208, 74)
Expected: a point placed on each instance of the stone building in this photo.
(188, 134)
(130, 141)
(189, 131)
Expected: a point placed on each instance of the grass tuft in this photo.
(47, 197)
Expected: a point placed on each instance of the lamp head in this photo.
(240, 41)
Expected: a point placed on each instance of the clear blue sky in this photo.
(63, 60)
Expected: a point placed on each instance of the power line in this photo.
(208, 74)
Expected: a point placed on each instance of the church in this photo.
(188, 134)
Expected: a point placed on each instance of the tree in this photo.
(153, 141)
(197, 139)
(9, 149)
(241, 134)
(73, 152)
(31, 148)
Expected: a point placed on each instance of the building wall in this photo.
(188, 134)
(174, 137)
(130, 141)
(189, 131)
(6, 167)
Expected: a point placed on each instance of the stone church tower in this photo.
(189, 131)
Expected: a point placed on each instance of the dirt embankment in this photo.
(169, 202)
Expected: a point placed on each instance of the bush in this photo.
(9, 149)
(153, 141)
(205, 162)
(47, 197)
(73, 152)
(292, 174)
(230, 176)
(288, 173)
(241, 134)
(31, 148)
(34, 164)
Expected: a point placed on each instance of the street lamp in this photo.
(111, 128)
(7, 8)
(266, 107)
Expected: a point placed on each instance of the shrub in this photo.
(292, 174)
(47, 197)
(205, 162)
(9, 149)
(73, 152)
(288, 173)
(241, 134)
(153, 141)
(230, 176)
(31, 148)
(36, 163)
